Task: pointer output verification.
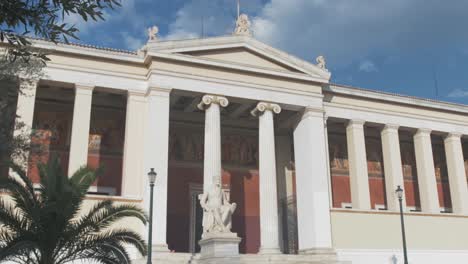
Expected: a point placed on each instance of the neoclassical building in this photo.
(313, 166)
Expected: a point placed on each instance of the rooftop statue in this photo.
(243, 26)
(152, 33)
(321, 63)
(217, 211)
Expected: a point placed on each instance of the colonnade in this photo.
(146, 145)
(428, 193)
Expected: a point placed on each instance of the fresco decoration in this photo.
(408, 160)
(374, 157)
(107, 132)
(440, 163)
(235, 149)
(51, 131)
(338, 152)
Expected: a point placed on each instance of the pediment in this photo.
(244, 53)
(241, 56)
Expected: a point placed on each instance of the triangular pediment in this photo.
(244, 53)
(241, 55)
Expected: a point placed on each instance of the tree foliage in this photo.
(45, 225)
(20, 61)
(44, 19)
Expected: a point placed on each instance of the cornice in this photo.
(396, 98)
(231, 82)
(395, 113)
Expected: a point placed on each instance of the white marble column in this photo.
(359, 178)
(269, 227)
(25, 113)
(212, 156)
(156, 156)
(312, 189)
(456, 173)
(80, 127)
(428, 194)
(393, 167)
(133, 159)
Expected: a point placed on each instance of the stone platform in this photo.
(187, 258)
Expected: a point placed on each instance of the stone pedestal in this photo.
(219, 245)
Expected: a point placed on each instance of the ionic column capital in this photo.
(265, 106)
(209, 99)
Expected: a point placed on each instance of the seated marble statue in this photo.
(217, 211)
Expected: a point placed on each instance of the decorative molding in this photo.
(391, 127)
(209, 99)
(158, 91)
(453, 136)
(265, 106)
(238, 66)
(357, 211)
(356, 122)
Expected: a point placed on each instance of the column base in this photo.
(160, 248)
(269, 251)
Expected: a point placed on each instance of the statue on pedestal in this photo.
(243, 26)
(217, 211)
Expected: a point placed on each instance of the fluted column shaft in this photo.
(456, 173)
(80, 128)
(426, 172)
(359, 178)
(392, 165)
(269, 227)
(212, 155)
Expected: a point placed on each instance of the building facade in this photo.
(312, 166)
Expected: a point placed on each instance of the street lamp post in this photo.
(152, 178)
(399, 192)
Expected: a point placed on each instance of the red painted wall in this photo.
(243, 185)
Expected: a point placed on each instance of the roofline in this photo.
(396, 98)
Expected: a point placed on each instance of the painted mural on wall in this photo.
(440, 163)
(107, 132)
(374, 157)
(408, 160)
(241, 150)
(338, 152)
(51, 130)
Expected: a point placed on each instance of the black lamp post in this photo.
(399, 192)
(152, 178)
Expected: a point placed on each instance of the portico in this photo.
(298, 155)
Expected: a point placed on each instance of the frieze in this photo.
(239, 150)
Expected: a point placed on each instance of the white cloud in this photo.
(368, 66)
(131, 42)
(217, 17)
(458, 93)
(346, 31)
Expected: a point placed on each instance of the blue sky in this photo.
(401, 46)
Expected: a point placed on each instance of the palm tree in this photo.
(44, 225)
